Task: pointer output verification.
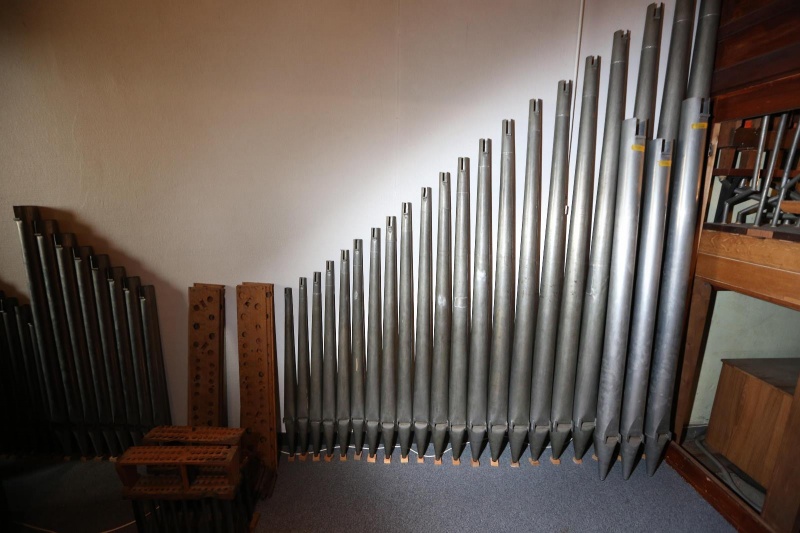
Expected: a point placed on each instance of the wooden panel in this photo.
(206, 354)
(781, 373)
(768, 252)
(775, 96)
(258, 371)
(774, 285)
(747, 421)
(782, 505)
(714, 491)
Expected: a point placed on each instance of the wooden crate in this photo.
(751, 411)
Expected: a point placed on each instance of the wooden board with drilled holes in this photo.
(206, 354)
(258, 372)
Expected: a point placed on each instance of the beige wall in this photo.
(209, 141)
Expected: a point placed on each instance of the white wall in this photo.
(223, 142)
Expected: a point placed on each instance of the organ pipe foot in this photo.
(476, 436)
(358, 435)
(514, 464)
(630, 450)
(538, 440)
(534, 462)
(516, 438)
(290, 458)
(421, 437)
(456, 462)
(315, 458)
(373, 436)
(403, 459)
(654, 448)
(303, 457)
(555, 460)
(404, 438)
(329, 429)
(581, 441)
(343, 432)
(291, 444)
(474, 463)
(328, 457)
(559, 439)
(577, 461)
(439, 437)
(437, 462)
(457, 434)
(302, 434)
(420, 459)
(494, 462)
(497, 435)
(372, 458)
(388, 440)
(316, 437)
(606, 450)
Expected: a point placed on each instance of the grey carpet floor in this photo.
(358, 496)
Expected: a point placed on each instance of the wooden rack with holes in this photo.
(193, 436)
(187, 463)
(258, 379)
(206, 354)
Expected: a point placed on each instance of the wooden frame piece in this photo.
(206, 389)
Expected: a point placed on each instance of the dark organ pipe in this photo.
(155, 356)
(658, 159)
(576, 264)
(372, 412)
(289, 381)
(766, 183)
(442, 320)
(45, 233)
(315, 394)
(675, 275)
(343, 375)
(114, 279)
(503, 318)
(423, 348)
(680, 50)
(620, 292)
(519, 405)
(645, 104)
(33, 366)
(108, 399)
(481, 329)
(359, 348)
(390, 341)
(64, 246)
(118, 389)
(130, 287)
(52, 383)
(19, 408)
(552, 278)
(329, 361)
(705, 48)
(787, 169)
(459, 347)
(405, 348)
(303, 370)
(593, 321)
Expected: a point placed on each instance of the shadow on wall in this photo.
(172, 303)
(10, 291)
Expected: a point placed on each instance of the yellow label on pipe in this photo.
(700, 126)
(637, 148)
(665, 163)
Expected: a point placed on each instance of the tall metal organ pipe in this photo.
(343, 367)
(705, 48)
(358, 362)
(527, 289)
(315, 401)
(593, 321)
(329, 361)
(460, 340)
(289, 378)
(645, 104)
(658, 159)
(503, 318)
(303, 370)
(576, 263)
(405, 348)
(424, 332)
(680, 51)
(372, 410)
(442, 321)
(481, 329)
(390, 342)
(620, 292)
(552, 278)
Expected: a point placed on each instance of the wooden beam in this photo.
(771, 253)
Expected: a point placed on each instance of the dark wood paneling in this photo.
(771, 97)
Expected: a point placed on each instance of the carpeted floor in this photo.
(359, 496)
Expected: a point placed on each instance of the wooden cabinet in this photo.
(751, 411)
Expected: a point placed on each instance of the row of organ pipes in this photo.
(585, 351)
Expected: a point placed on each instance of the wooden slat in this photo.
(772, 253)
(782, 94)
(791, 207)
(714, 491)
(782, 505)
(194, 435)
(258, 371)
(206, 354)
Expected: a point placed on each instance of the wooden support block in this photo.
(474, 464)
(193, 435)
(555, 461)
(577, 461)
(303, 457)
(328, 457)
(534, 462)
(387, 459)
(206, 354)
(420, 459)
(456, 462)
(357, 456)
(372, 458)
(291, 458)
(254, 521)
(315, 458)
(437, 461)
(255, 310)
(594, 457)
(343, 458)
(494, 463)
(514, 464)
(403, 460)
